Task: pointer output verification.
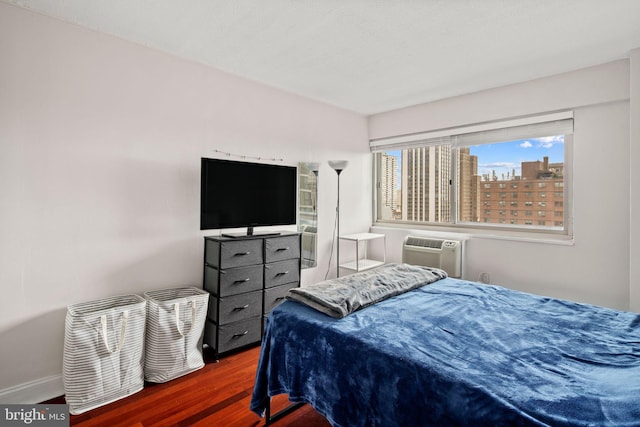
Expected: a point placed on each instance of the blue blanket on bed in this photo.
(456, 353)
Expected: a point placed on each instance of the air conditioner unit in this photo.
(440, 253)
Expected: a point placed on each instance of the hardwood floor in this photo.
(216, 395)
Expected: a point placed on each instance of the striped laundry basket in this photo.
(103, 352)
(175, 327)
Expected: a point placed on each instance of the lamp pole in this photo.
(338, 166)
(338, 227)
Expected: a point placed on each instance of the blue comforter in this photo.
(456, 353)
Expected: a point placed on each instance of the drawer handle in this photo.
(243, 253)
(242, 280)
(241, 334)
(241, 308)
(282, 273)
(282, 249)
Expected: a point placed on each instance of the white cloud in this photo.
(549, 141)
(499, 165)
(526, 144)
(557, 138)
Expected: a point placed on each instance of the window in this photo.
(448, 177)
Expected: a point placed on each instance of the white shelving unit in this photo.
(361, 242)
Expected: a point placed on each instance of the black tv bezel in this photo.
(252, 167)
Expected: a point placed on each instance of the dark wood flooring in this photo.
(216, 395)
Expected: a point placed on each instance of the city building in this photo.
(426, 173)
(388, 168)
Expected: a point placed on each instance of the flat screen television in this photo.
(235, 194)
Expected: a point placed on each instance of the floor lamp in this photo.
(338, 166)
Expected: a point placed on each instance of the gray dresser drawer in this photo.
(279, 273)
(234, 335)
(274, 296)
(235, 253)
(281, 248)
(236, 307)
(233, 281)
(246, 278)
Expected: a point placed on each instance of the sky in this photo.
(504, 157)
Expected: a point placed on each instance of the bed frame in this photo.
(270, 419)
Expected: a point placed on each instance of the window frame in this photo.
(482, 228)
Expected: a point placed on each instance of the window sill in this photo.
(460, 232)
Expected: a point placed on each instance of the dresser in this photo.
(246, 278)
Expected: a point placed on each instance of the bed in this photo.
(452, 352)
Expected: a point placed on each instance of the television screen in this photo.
(237, 194)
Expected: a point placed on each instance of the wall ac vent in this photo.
(445, 254)
(424, 242)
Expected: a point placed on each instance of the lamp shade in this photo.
(338, 165)
(314, 167)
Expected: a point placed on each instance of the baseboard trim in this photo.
(34, 391)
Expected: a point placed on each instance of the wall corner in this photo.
(634, 178)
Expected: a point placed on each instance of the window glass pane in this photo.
(536, 163)
(389, 191)
(414, 185)
(513, 184)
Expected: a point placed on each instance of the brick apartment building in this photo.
(536, 197)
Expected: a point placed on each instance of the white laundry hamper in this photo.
(103, 357)
(175, 328)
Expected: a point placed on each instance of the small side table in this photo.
(362, 262)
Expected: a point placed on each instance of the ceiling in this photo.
(371, 56)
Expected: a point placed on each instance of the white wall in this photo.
(595, 268)
(100, 144)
